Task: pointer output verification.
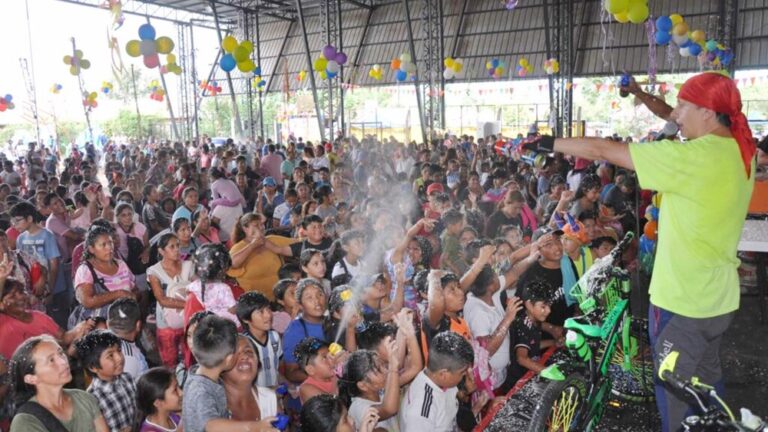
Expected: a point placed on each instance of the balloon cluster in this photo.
(171, 65)
(56, 88)
(259, 83)
(156, 91)
(6, 103)
(106, 87)
(404, 67)
(551, 66)
(212, 87)
(89, 99)
(650, 233)
(454, 68)
(376, 72)
(691, 43)
(149, 47)
(495, 68)
(330, 62)
(116, 8)
(76, 63)
(524, 67)
(624, 11)
(301, 76)
(238, 54)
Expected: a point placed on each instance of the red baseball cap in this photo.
(435, 187)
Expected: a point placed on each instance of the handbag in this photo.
(81, 313)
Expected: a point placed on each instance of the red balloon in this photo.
(3, 107)
(152, 61)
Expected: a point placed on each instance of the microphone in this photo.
(669, 130)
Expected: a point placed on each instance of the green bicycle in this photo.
(608, 353)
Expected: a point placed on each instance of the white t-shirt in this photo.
(426, 407)
(483, 320)
(352, 270)
(135, 363)
(358, 408)
(267, 399)
(270, 355)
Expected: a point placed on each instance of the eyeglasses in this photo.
(18, 219)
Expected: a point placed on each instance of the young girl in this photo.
(187, 245)
(325, 413)
(158, 401)
(314, 358)
(364, 380)
(312, 264)
(352, 245)
(285, 304)
(313, 302)
(325, 208)
(210, 292)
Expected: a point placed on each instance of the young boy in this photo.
(113, 388)
(375, 337)
(205, 402)
(602, 246)
(451, 259)
(430, 402)
(124, 320)
(527, 327)
(253, 311)
(287, 306)
(446, 301)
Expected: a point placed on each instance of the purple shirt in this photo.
(58, 227)
(271, 163)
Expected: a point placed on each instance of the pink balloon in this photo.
(163, 69)
(152, 61)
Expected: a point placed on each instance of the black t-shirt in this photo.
(554, 278)
(497, 220)
(297, 248)
(525, 333)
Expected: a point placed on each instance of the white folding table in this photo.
(754, 238)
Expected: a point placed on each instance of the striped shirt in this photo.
(427, 407)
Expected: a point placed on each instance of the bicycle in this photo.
(601, 343)
(712, 418)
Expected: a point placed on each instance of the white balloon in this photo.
(404, 66)
(410, 68)
(148, 47)
(376, 67)
(685, 52)
(680, 40)
(405, 58)
(448, 73)
(332, 66)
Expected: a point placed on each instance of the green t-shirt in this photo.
(85, 411)
(705, 195)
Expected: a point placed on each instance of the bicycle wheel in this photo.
(559, 405)
(635, 384)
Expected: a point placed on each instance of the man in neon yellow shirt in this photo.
(706, 184)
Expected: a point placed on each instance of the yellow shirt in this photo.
(259, 271)
(705, 197)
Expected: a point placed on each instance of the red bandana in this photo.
(718, 93)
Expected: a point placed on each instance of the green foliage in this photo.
(215, 116)
(126, 124)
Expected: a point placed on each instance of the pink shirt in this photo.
(58, 227)
(14, 332)
(271, 163)
(137, 230)
(218, 298)
(122, 280)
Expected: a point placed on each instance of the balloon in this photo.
(500, 70)
(676, 19)
(663, 24)
(448, 62)
(331, 75)
(395, 64)
(404, 66)
(152, 61)
(133, 48)
(148, 47)
(680, 40)
(229, 44)
(711, 45)
(377, 67)
(341, 58)
(680, 29)
(84, 64)
(457, 67)
(246, 66)
(622, 17)
(320, 64)
(8, 98)
(405, 57)
(638, 13)
(448, 73)
(685, 51)
(171, 58)
(240, 54)
(146, 32)
(495, 63)
(651, 229)
(694, 49)
(663, 38)
(164, 45)
(655, 213)
(332, 67)
(227, 62)
(329, 52)
(248, 45)
(3, 107)
(401, 75)
(616, 6)
(698, 36)
(410, 68)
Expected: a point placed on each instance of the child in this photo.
(451, 259)
(364, 380)
(575, 244)
(210, 292)
(602, 246)
(313, 357)
(339, 305)
(312, 300)
(114, 389)
(325, 413)
(430, 402)
(312, 264)
(527, 327)
(376, 336)
(352, 244)
(253, 311)
(188, 365)
(205, 407)
(124, 320)
(289, 271)
(287, 308)
(158, 400)
(446, 301)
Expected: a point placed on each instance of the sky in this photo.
(53, 23)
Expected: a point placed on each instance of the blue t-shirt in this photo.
(43, 247)
(297, 330)
(183, 212)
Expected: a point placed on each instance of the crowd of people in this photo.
(146, 287)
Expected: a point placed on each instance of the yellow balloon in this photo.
(92, 95)
(164, 45)
(320, 64)
(240, 54)
(133, 48)
(457, 67)
(448, 62)
(229, 43)
(616, 6)
(698, 36)
(680, 29)
(638, 13)
(246, 66)
(499, 70)
(248, 45)
(68, 59)
(323, 75)
(676, 19)
(656, 200)
(74, 70)
(488, 65)
(622, 17)
(171, 58)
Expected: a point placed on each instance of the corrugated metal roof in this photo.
(491, 31)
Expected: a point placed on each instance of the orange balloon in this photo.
(395, 65)
(651, 230)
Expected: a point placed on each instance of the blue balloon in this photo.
(695, 49)
(146, 32)
(663, 24)
(331, 75)
(495, 63)
(687, 44)
(726, 58)
(257, 71)
(655, 213)
(401, 75)
(663, 38)
(646, 245)
(227, 62)
(8, 98)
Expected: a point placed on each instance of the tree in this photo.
(126, 124)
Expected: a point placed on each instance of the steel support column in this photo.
(340, 46)
(554, 112)
(318, 111)
(459, 28)
(193, 78)
(407, 6)
(235, 111)
(329, 17)
(352, 76)
(431, 26)
(248, 82)
(258, 63)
